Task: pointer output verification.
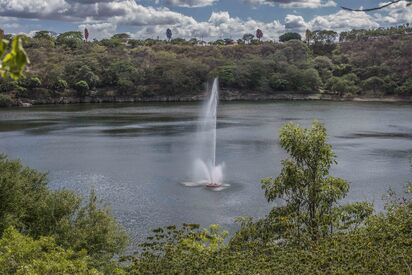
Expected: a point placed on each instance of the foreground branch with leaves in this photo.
(13, 57)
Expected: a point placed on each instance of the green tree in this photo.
(310, 194)
(30, 82)
(343, 85)
(7, 85)
(169, 34)
(21, 254)
(45, 39)
(247, 37)
(373, 84)
(325, 66)
(82, 87)
(121, 36)
(6, 101)
(30, 207)
(290, 36)
(405, 88)
(86, 73)
(259, 34)
(311, 80)
(308, 37)
(277, 83)
(60, 85)
(71, 39)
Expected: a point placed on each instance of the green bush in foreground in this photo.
(21, 254)
(383, 246)
(30, 207)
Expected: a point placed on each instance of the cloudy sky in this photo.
(210, 19)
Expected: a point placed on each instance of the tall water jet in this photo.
(205, 169)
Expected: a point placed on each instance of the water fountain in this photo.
(206, 172)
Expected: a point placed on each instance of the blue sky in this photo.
(209, 19)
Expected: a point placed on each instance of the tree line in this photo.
(356, 63)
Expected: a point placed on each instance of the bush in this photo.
(406, 88)
(82, 87)
(382, 246)
(7, 85)
(343, 85)
(6, 101)
(30, 82)
(373, 84)
(20, 254)
(278, 84)
(85, 73)
(290, 36)
(60, 85)
(30, 207)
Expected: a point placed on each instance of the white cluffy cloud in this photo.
(190, 3)
(219, 25)
(344, 20)
(103, 17)
(398, 13)
(311, 4)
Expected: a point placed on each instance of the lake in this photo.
(136, 156)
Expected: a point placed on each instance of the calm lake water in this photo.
(136, 156)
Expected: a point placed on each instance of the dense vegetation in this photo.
(70, 235)
(52, 232)
(360, 62)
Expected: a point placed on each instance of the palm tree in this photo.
(259, 34)
(86, 34)
(308, 36)
(169, 34)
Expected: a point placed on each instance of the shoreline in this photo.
(225, 96)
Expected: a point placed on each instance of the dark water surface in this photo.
(135, 156)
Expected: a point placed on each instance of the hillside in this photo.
(365, 64)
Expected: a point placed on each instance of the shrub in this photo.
(82, 87)
(60, 85)
(290, 36)
(278, 84)
(7, 85)
(373, 84)
(31, 82)
(21, 254)
(30, 207)
(6, 101)
(405, 88)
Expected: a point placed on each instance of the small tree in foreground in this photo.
(310, 195)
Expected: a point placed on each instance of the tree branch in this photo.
(377, 8)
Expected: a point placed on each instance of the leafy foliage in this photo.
(289, 36)
(340, 65)
(30, 207)
(21, 254)
(13, 60)
(382, 245)
(309, 193)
